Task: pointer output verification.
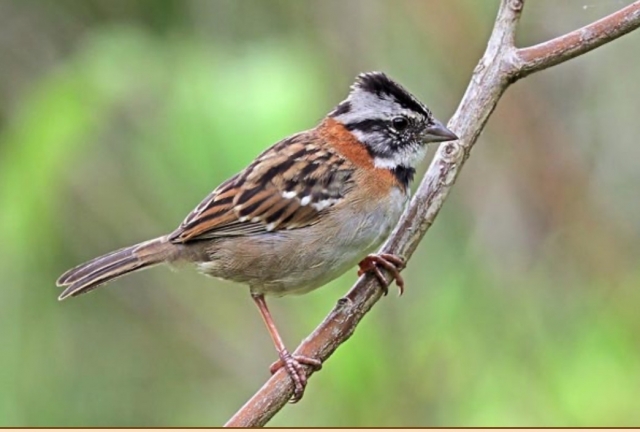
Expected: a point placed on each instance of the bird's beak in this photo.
(437, 132)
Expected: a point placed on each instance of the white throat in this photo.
(407, 157)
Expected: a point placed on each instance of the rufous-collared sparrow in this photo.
(303, 212)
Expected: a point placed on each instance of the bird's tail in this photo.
(98, 271)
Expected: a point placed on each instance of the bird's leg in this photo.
(392, 263)
(293, 364)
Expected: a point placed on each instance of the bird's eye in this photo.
(400, 123)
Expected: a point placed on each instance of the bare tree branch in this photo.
(501, 65)
(578, 42)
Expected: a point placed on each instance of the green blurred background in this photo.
(117, 117)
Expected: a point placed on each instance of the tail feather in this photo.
(93, 274)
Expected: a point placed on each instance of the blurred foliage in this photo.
(117, 117)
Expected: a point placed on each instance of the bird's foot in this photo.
(294, 365)
(392, 263)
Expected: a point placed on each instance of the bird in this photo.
(302, 213)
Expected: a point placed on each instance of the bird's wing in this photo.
(286, 187)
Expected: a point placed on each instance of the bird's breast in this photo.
(300, 260)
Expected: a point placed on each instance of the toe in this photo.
(313, 363)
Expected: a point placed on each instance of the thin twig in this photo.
(500, 65)
(578, 42)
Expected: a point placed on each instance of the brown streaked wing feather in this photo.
(286, 187)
